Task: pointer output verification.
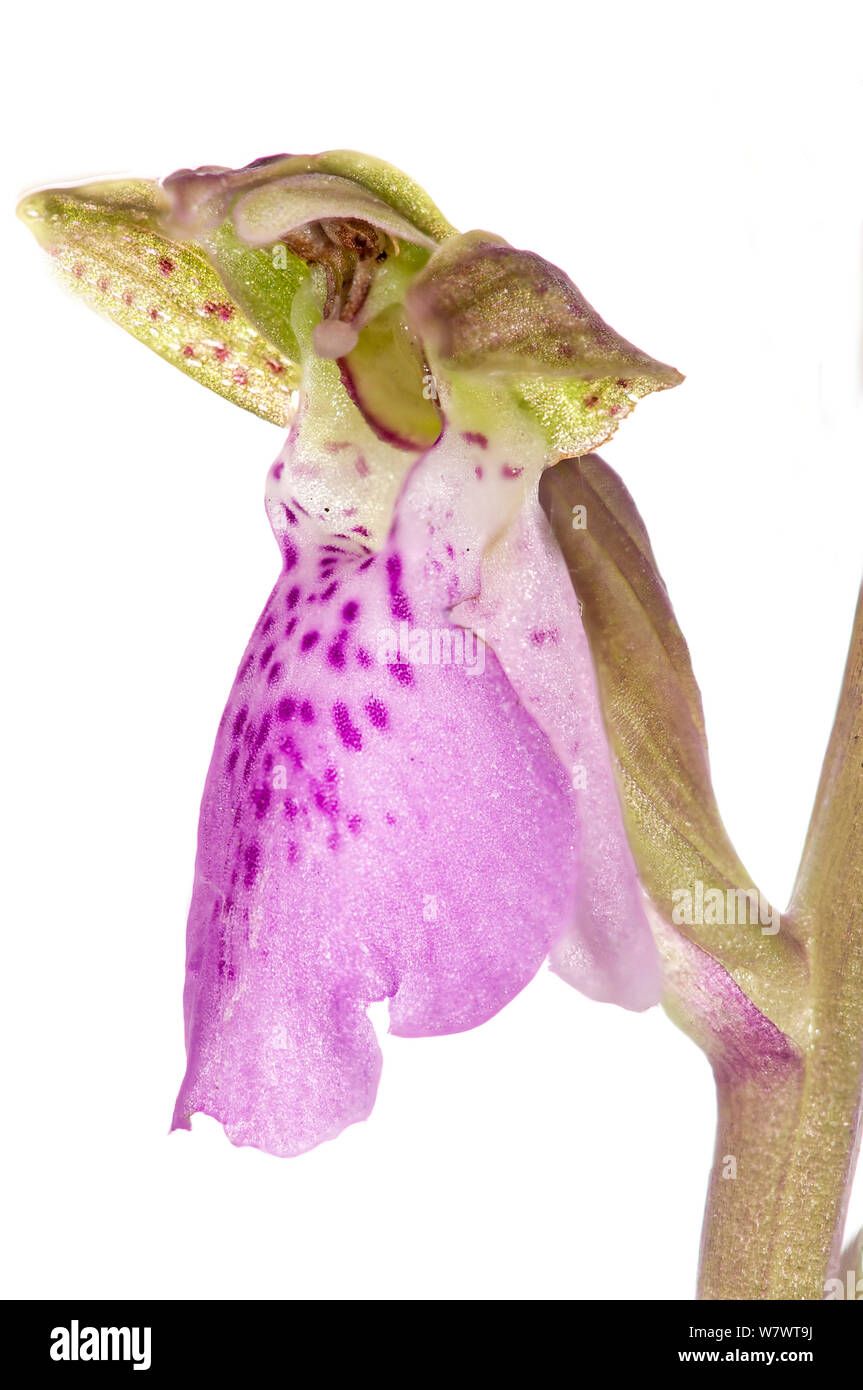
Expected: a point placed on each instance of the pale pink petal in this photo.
(370, 828)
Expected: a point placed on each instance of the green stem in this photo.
(773, 1230)
(776, 1230)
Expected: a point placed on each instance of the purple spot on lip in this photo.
(474, 437)
(346, 729)
(309, 640)
(261, 801)
(252, 861)
(286, 709)
(263, 730)
(363, 657)
(289, 515)
(336, 654)
(274, 672)
(399, 605)
(508, 471)
(232, 759)
(394, 572)
(326, 801)
(355, 824)
(239, 721)
(277, 470)
(266, 654)
(293, 597)
(350, 610)
(329, 591)
(402, 672)
(290, 626)
(377, 712)
(291, 556)
(290, 807)
(307, 714)
(288, 747)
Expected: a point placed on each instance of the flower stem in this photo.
(775, 1231)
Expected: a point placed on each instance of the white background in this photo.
(697, 171)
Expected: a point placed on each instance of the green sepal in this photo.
(108, 242)
(652, 708)
(489, 314)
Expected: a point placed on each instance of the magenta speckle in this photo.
(221, 311)
(377, 713)
(402, 672)
(252, 860)
(336, 655)
(345, 728)
(399, 605)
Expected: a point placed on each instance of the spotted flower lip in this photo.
(411, 795)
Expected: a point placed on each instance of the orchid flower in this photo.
(465, 736)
